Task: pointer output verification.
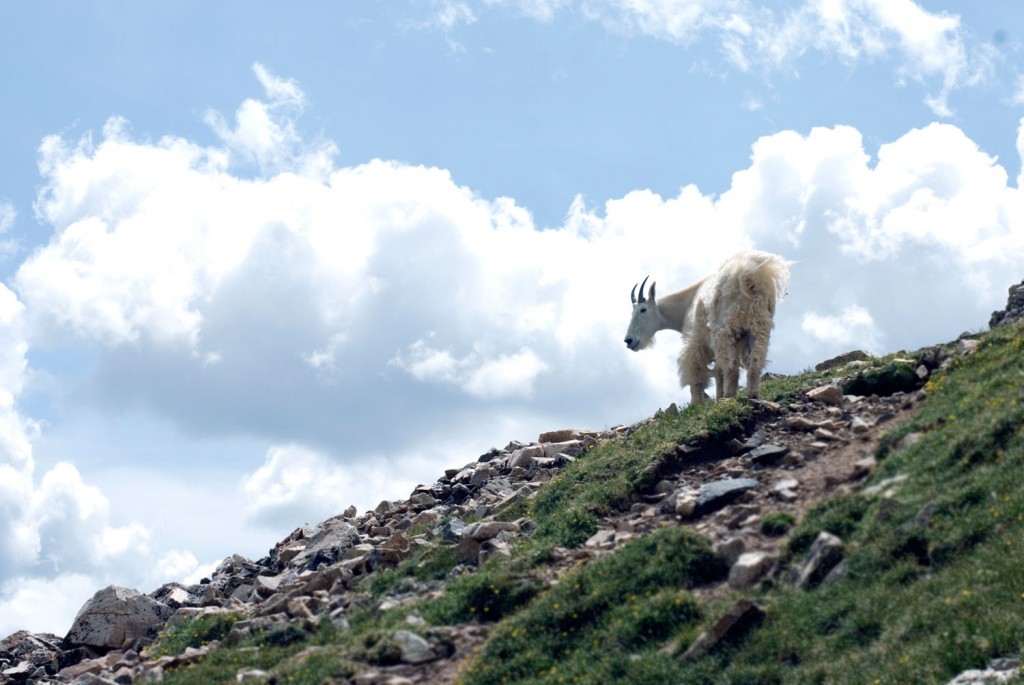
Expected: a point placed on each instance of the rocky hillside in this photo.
(826, 530)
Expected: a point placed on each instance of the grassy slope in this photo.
(920, 603)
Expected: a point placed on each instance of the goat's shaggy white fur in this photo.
(726, 320)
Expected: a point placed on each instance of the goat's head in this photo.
(644, 322)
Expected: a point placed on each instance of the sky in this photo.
(259, 263)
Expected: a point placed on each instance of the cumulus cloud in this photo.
(295, 299)
(56, 533)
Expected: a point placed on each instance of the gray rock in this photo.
(570, 447)
(485, 530)
(19, 672)
(451, 530)
(736, 623)
(768, 454)
(859, 425)
(998, 671)
(685, 502)
(415, 650)
(329, 544)
(730, 549)
(754, 441)
(1014, 308)
(840, 360)
(562, 435)
(825, 554)
(115, 617)
(717, 494)
(750, 568)
(828, 394)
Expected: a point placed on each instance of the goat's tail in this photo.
(764, 275)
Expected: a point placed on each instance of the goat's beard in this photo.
(645, 345)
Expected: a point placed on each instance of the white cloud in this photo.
(1018, 91)
(7, 216)
(926, 46)
(449, 14)
(541, 10)
(476, 374)
(56, 535)
(297, 484)
(264, 131)
(43, 605)
(853, 326)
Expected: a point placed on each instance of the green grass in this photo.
(194, 633)
(612, 475)
(600, 614)
(777, 523)
(496, 590)
(273, 650)
(424, 564)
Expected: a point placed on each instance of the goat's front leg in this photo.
(758, 357)
(693, 371)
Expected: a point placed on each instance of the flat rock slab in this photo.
(743, 617)
(768, 454)
(717, 494)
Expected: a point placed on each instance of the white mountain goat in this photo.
(726, 320)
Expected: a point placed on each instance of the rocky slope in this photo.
(730, 491)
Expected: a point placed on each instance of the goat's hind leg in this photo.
(727, 363)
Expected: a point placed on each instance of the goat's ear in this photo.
(650, 293)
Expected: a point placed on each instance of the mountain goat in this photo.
(726, 320)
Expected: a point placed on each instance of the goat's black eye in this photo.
(643, 310)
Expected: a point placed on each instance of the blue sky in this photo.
(260, 263)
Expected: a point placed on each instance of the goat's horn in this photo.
(642, 298)
(632, 294)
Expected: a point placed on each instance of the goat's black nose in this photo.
(629, 342)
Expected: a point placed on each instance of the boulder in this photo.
(750, 568)
(415, 650)
(824, 555)
(116, 617)
(1014, 308)
(828, 394)
(328, 545)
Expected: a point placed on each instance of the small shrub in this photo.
(840, 516)
(892, 377)
(777, 523)
(491, 593)
(195, 633)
